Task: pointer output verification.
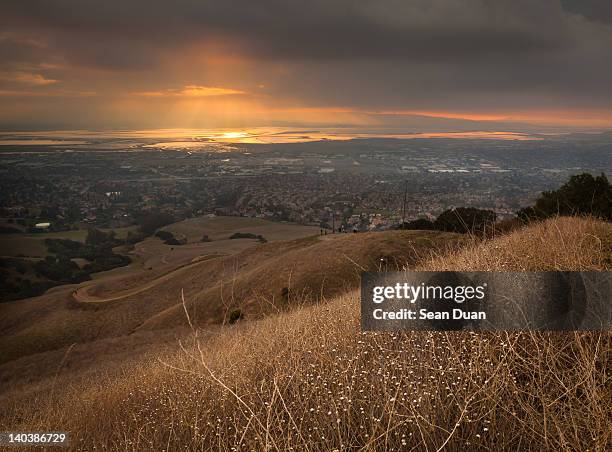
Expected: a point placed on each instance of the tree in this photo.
(97, 237)
(465, 220)
(169, 238)
(151, 221)
(421, 224)
(583, 194)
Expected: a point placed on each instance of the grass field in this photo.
(252, 280)
(309, 379)
(33, 245)
(155, 255)
(219, 228)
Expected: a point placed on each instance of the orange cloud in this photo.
(442, 114)
(191, 91)
(194, 90)
(55, 93)
(27, 78)
(601, 118)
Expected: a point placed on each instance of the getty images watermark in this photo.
(494, 301)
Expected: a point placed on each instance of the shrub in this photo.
(465, 220)
(97, 237)
(248, 235)
(169, 238)
(235, 315)
(134, 237)
(420, 224)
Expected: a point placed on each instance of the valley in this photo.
(249, 277)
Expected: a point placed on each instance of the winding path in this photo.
(83, 295)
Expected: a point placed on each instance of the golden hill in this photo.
(308, 379)
(258, 280)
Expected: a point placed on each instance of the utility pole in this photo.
(333, 221)
(404, 204)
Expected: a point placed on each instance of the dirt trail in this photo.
(84, 295)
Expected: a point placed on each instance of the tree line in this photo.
(583, 194)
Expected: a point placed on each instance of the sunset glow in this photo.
(284, 224)
(184, 74)
(201, 138)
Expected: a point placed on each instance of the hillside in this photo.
(308, 379)
(258, 280)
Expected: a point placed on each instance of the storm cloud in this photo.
(469, 55)
(293, 29)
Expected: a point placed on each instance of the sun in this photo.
(233, 135)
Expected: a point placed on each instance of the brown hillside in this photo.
(310, 380)
(277, 276)
(253, 280)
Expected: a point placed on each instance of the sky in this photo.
(400, 65)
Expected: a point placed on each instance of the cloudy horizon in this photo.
(423, 65)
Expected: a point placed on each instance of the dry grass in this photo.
(310, 380)
(563, 243)
(252, 281)
(304, 271)
(222, 227)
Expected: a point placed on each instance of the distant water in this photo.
(40, 142)
(195, 138)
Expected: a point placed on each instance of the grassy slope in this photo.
(309, 379)
(310, 269)
(562, 244)
(257, 275)
(222, 227)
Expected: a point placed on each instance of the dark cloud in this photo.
(424, 29)
(387, 54)
(597, 10)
